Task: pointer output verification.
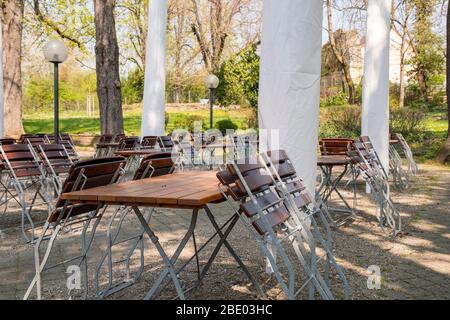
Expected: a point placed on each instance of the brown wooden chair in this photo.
(56, 162)
(335, 146)
(267, 212)
(82, 175)
(153, 165)
(149, 142)
(6, 141)
(25, 176)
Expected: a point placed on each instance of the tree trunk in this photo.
(12, 16)
(107, 63)
(338, 53)
(401, 100)
(444, 153)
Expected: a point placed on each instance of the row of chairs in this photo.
(275, 206)
(41, 138)
(365, 162)
(29, 172)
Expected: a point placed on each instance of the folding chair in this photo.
(35, 141)
(400, 177)
(56, 163)
(165, 143)
(149, 142)
(25, 136)
(6, 141)
(153, 165)
(66, 140)
(129, 143)
(119, 136)
(100, 150)
(184, 146)
(290, 187)
(412, 165)
(388, 215)
(82, 175)
(372, 156)
(24, 174)
(337, 147)
(273, 221)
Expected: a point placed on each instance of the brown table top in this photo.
(193, 189)
(136, 152)
(338, 160)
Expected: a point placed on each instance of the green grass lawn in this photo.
(425, 146)
(78, 123)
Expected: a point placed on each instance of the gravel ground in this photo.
(414, 266)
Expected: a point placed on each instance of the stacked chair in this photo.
(31, 169)
(400, 177)
(275, 206)
(369, 165)
(66, 140)
(22, 177)
(149, 142)
(412, 165)
(337, 147)
(153, 165)
(5, 141)
(82, 175)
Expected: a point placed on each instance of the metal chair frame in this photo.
(67, 218)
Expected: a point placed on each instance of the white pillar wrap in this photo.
(1, 80)
(289, 93)
(154, 103)
(375, 110)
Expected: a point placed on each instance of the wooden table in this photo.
(186, 190)
(329, 185)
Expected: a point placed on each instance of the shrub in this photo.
(406, 121)
(344, 121)
(339, 99)
(187, 122)
(225, 124)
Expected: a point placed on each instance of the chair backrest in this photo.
(55, 157)
(24, 136)
(105, 138)
(128, 143)
(335, 146)
(86, 175)
(282, 169)
(149, 141)
(254, 184)
(6, 141)
(35, 141)
(19, 160)
(119, 136)
(155, 165)
(165, 142)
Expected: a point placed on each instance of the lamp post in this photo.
(55, 51)
(211, 82)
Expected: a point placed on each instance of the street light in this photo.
(211, 82)
(55, 51)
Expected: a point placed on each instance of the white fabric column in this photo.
(153, 113)
(1, 80)
(289, 93)
(375, 110)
